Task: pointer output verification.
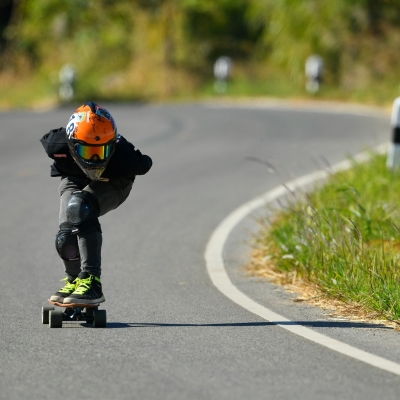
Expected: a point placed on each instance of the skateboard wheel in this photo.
(99, 318)
(55, 319)
(90, 311)
(45, 314)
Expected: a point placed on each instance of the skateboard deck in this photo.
(74, 305)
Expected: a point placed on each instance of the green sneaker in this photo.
(65, 291)
(88, 290)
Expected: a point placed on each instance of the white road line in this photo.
(219, 277)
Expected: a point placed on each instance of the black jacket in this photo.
(126, 162)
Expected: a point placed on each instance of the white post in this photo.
(67, 77)
(314, 72)
(393, 160)
(222, 73)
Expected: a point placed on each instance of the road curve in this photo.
(171, 334)
(214, 257)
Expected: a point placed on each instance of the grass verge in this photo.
(341, 240)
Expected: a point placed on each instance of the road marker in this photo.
(393, 160)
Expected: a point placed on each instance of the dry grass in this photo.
(261, 266)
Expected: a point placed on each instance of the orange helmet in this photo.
(91, 136)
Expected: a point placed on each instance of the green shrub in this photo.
(344, 237)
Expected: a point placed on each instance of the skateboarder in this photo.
(97, 167)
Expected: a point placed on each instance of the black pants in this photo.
(110, 195)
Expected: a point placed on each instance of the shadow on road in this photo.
(312, 324)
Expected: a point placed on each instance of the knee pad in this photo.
(67, 243)
(81, 207)
(82, 212)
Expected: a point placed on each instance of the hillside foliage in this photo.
(165, 47)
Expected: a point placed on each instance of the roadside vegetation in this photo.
(153, 50)
(342, 239)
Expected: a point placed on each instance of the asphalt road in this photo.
(171, 334)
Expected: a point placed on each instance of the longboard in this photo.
(74, 312)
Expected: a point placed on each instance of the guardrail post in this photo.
(393, 160)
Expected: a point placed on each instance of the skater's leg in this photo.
(83, 209)
(66, 239)
(109, 195)
(90, 250)
(82, 212)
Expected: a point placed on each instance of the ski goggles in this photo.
(94, 153)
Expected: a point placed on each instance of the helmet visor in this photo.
(94, 153)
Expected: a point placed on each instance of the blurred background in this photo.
(54, 51)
